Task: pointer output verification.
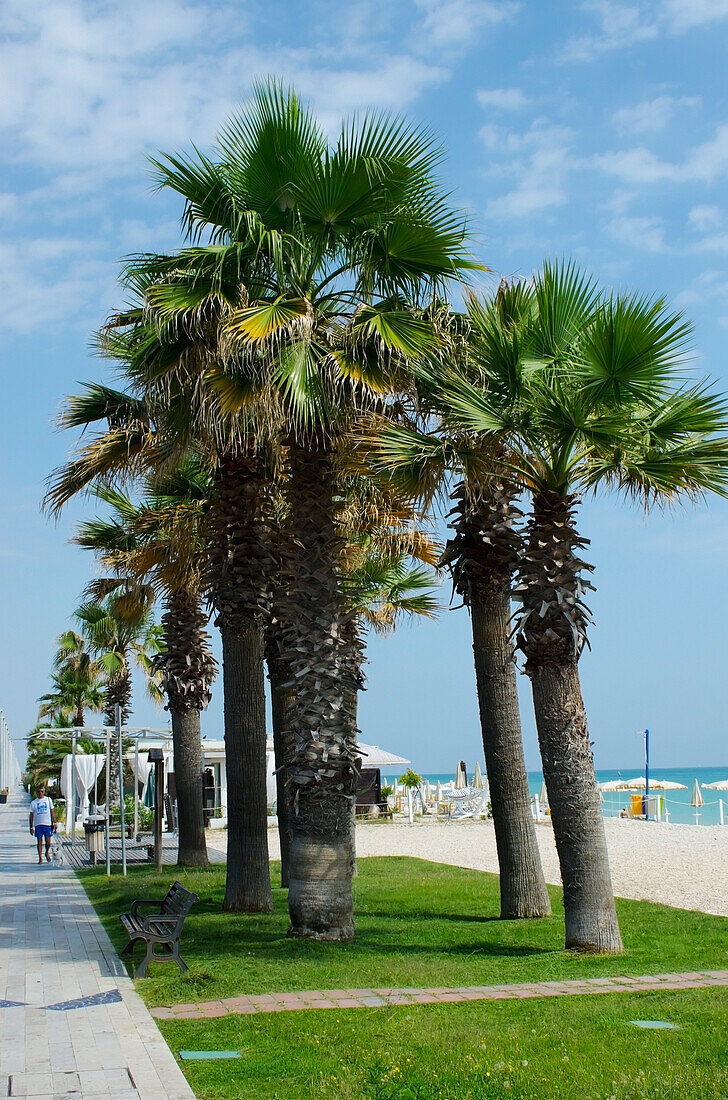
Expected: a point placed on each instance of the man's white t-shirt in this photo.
(41, 811)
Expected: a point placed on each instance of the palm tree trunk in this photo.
(523, 890)
(118, 690)
(324, 765)
(281, 699)
(552, 634)
(482, 557)
(247, 887)
(576, 812)
(187, 669)
(240, 564)
(187, 743)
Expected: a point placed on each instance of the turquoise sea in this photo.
(677, 803)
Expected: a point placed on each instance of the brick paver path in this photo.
(377, 998)
(72, 1026)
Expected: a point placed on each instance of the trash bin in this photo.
(3, 796)
(94, 830)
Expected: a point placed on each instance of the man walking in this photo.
(42, 822)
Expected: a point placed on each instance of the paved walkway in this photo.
(72, 1026)
(375, 998)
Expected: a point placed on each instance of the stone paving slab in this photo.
(71, 1023)
(379, 998)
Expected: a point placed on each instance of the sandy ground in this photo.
(681, 865)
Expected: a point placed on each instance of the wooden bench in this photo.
(163, 927)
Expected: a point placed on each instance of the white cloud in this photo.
(683, 15)
(652, 115)
(704, 218)
(539, 160)
(503, 99)
(647, 234)
(702, 164)
(453, 25)
(45, 281)
(623, 25)
(620, 27)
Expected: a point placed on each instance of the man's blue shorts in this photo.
(43, 830)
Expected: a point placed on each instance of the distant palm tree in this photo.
(158, 541)
(120, 630)
(78, 681)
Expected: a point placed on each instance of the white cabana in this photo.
(87, 769)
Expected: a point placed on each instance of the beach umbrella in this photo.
(721, 785)
(438, 791)
(461, 776)
(149, 791)
(478, 777)
(696, 799)
(543, 794)
(640, 783)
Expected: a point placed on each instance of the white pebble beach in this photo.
(680, 865)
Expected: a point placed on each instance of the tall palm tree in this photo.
(158, 541)
(601, 405)
(150, 427)
(120, 630)
(316, 254)
(482, 556)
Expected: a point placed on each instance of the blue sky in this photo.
(595, 130)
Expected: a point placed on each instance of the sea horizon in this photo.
(676, 803)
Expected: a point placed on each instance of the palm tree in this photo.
(599, 406)
(482, 557)
(78, 681)
(158, 542)
(120, 629)
(148, 428)
(316, 254)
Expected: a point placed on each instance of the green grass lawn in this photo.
(421, 924)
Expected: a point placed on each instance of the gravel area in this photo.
(681, 865)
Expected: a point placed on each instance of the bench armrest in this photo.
(145, 901)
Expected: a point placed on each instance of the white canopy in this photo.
(374, 757)
(721, 785)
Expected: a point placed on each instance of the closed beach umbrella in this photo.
(696, 800)
(461, 776)
(478, 776)
(149, 791)
(543, 794)
(438, 791)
